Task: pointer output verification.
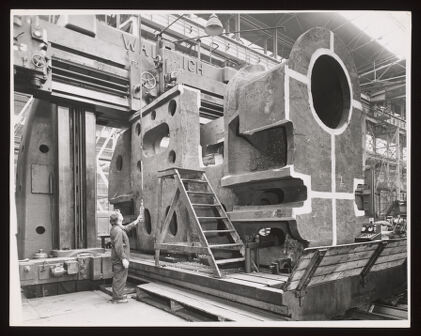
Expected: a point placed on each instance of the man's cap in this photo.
(115, 215)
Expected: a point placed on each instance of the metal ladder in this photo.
(186, 195)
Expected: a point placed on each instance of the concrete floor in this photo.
(91, 308)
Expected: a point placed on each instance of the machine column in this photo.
(76, 178)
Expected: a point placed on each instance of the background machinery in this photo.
(269, 188)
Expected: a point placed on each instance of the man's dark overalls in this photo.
(120, 250)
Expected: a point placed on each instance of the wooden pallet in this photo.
(195, 306)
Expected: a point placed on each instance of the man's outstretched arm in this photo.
(131, 225)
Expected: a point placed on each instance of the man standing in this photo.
(120, 254)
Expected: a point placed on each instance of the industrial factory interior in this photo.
(209, 168)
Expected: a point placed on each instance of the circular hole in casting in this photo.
(119, 163)
(44, 148)
(330, 91)
(40, 229)
(171, 157)
(271, 237)
(147, 221)
(172, 107)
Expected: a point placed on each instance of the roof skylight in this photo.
(391, 29)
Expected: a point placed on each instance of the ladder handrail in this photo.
(235, 235)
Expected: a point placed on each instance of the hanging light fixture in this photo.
(214, 26)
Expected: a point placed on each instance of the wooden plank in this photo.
(279, 277)
(229, 260)
(336, 259)
(347, 249)
(388, 258)
(394, 250)
(304, 261)
(396, 243)
(335, 276)
(345, 258)
(244, 282)
(186, 266)
(247, 311)
(235, 307)
(358, 247)
(341, 267)
(254, 279)
(183, 248)
(233, 246)
(196, 302)
(386, 265)
(326, 278)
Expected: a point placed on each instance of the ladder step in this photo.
(193, 180)
(217, 231)
(205, 218)
(200, 193)
(229, 261)
(202, 205)
(232, 246)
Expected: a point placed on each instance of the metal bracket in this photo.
(311, 268)
(371, 262)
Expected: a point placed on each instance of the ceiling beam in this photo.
(282, 38)
(379, 68)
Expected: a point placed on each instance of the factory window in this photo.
(119, 163)
(147, 223)
(40, 229)
(156, 140)
(171, 157)
(173, 224)
(330, 91)
(172, 107)
(44, 149)
(153, 115)
(138, 128)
